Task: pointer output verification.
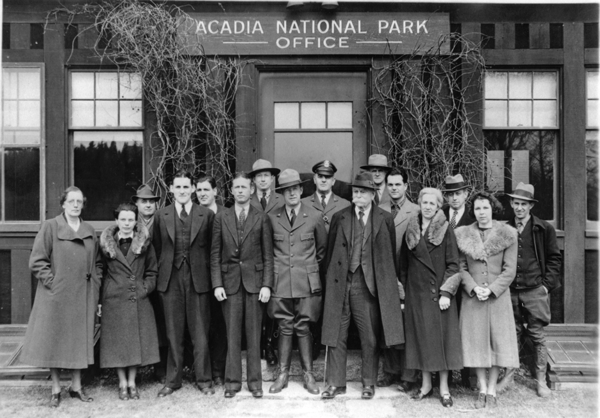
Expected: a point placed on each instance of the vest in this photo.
(528, 269)
(364, 257)
(183, 234)
(357, 243)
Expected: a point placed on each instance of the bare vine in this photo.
(427, 116)
(191, 95)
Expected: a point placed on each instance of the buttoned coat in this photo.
(275, 201)
(163, 240)
(383, 244)
(299, 251)
(249, 261)
(488, 330)
(67, 264)
(334, 205)
(407, 210)
(129, 335)
(426, 262)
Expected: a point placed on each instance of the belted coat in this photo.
(129, 336)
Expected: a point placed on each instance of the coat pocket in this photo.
(307, 237)
(278, 237)
(313, 278)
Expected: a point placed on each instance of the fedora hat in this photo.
(454, 183)
(289, 178)
(524, 192)
(144, 192)
(364, 180)
(263, 165)
(377, 161)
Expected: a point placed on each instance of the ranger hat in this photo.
(454, 183)
(364, 180)
(325, 168)
(524, 192)
(377, 161)
(288, 178)
(263, 165)
(144, 192)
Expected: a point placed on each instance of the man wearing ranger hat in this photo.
(538, 273)
(299, 244)
(378, 167)
(361, 284)
(324, 200)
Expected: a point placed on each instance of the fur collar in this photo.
(437, 230)
(139, 244)
(469, 240)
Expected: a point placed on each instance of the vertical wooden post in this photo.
(20, 293)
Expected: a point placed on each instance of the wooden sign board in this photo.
(314, 33)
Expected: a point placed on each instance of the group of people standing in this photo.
(432, 287)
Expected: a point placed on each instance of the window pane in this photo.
(29, 84)
(519, 85)
(107, 86)
(529, 156)
(22, 184)
(10, 83)
(82, 113)
(592, 113)
(82, 85)
(27, 137)
(339, 115)
(107, 113)
(131, 86)
(592, 84)
(10, 119)
(544, 85)
(312, 115)
(496, 113)
(108, 167)
(131, 113)
(29, 114)
(287, 116)
(519, 113)
(496, 85)
(544, 113)
(592, 179)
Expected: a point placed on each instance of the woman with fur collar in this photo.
(129, 338)
(488, 261)
(429, 257)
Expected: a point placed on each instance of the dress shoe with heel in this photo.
(419, 396)
(480, 402)
(55, 400)
(79, 394)
(332, 391)
(491, 401)
(446, 400)
(123, 394)
(368, 392)
(133, 393)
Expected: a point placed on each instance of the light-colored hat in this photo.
(364, 180)
(524, 192)
(377, 161)
(263, 165)
(144, 192)
(454, 183)
(288, 178)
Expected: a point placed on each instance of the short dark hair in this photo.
(397, 171)
(182, 174)
(497, 208)
(63, 196)
(129, 207)
(202, 177)
(242, 175)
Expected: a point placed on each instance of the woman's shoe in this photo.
(480, 402)
(133, 393)
(446, 400)
(418, 395)
(55, 400)
(123, 394)
(491, 401)
(80, 395)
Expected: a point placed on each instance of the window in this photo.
(21, 145)
(106, 127)
(591, 145)
(521, 130)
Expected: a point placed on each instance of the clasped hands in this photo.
(263, 296)
(483, 293)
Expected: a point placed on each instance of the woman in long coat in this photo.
(129, 337)
(488, 260)
(429, 257)
(65, 260)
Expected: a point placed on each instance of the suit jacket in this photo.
(163, 240)
(385, 196)
(335, 204)
(383, 236)
(249, 260)
(401, 220)
(464, 220)
(299, 250)
(275, 201)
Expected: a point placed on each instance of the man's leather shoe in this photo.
(55, 400)
(230, 393)
(368, 392)
(207, 390)
(257, 393)
(332, 391)
(218, 381)
(404, 386)
(387, 380)
(79, 394)
(123, 394)
(165, 391)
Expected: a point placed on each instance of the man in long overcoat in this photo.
(361, 283)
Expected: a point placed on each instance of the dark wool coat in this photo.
(488, 330)
(60, 333)
(129, 336)
(384, 267)
(426, 262)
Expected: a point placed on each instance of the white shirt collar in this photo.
(120, 235)
(267, 193)
(188, 207)
(365, 210)
(327, 196)
(238, 208)
(288, 210)
(213, 207)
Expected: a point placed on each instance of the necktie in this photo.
(183, 213)
(263, 201)
(323, 204)
(357, 242)
(395, 209)
(376, 197)
(453, 220)
(241, 221)
(292, 217)
(520, 227)
(361, 214)
(125, 240)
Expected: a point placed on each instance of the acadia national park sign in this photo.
(315, 34)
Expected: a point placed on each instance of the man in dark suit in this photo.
(182, 238)
(378, 166)
(242, 278)
(362, 283)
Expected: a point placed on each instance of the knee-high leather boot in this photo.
(285, 359)
(541, 364)
(305, 346)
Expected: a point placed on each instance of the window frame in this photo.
(27, 226)
(591, 227)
